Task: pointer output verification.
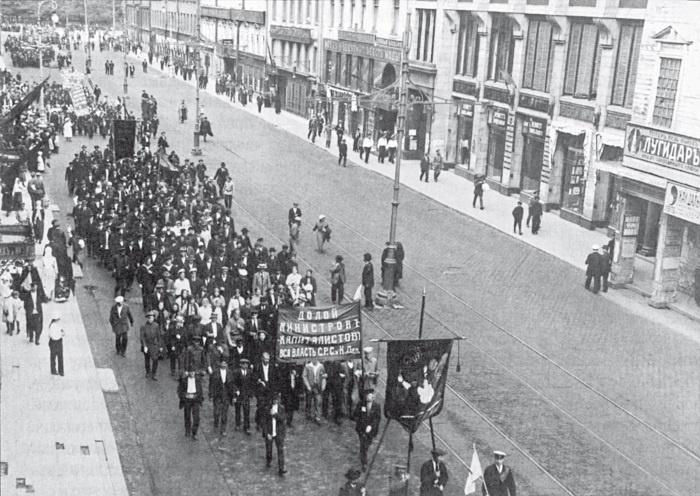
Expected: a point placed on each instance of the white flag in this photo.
(358, 293)
(475, 473)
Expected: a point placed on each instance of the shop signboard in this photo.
(630, 224)
(663, 148)
(682, 202)
(364, 50)
(290, 33)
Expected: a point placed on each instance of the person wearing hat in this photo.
(595, 265)
(370, 369)
(368, 280)
(294, 214)
(56, 335)
(534, 214)
(323, 232)
(190, 393)
(245, 389)
(343, 153)
(368, 415)
(176, 344)
(121, 320)
(261, 279)
(352, 486)
(150, 344)
(498, 478)
(433, 475)
(222, 391)
(337, 280)
(274, 429)
(34, 300)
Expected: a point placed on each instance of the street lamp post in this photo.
(196, 150)
(390, 270)
(88, 60)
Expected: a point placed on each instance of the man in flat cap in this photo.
(594, 269)
(352, 486)
(245, 389)
(150, 344)
(274, 429)
(189, 390)
(498, 478)
(368, 415)
(433, 475)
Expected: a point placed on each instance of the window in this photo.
(375, 16)
(395, 18)
(426, 35)
(316, 12)
(501, 48)
(359, 79)
(341, 15)
(274, 10)
(666, 91)
(538, 55)
(284, 10)
(582, 61)
(362, 16)
(330, 70)
(625, 74)
(332, 14)
(291, 10)
(339, 68)
(468, 45)
(352, 14)
(348, 71)
(369, 75)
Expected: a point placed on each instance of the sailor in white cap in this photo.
(121, 320)
(498, 478)
(594, 270)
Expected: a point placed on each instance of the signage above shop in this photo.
(682, 202)
(663, 148)
(466, 109)
(215, 12)
(534, 127)
(496, 94)
(578, 112)
(244, 15)
(534, 102)
(498, 117)
(358, 36)
(290, 33)
(465, 87)
(364, 50)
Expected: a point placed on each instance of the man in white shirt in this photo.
(366, 147)
(381, 147)
(314, 378)
(56, 334)
(222, 392)
(191, 397)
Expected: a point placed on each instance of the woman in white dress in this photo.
(50, 270)
(294, 284)
(68, 130)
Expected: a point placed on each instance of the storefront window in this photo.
(369, 75)
(330, 66)
(465, 123)
(574, 187)
(497, 121)
(534, 132)
(360, 74)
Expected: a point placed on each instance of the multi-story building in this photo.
(657, 207)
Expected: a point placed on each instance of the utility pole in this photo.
(88, 60)
(388, 279)
(195, 149)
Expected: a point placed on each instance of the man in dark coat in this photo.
(595, 265)
(433, 475)
(205, 128)
(498, 478)
(368, 280)
(274, 429)
(479, 182)
(221, 391)
(290, 385)
(343, 153)
(151, 344)
(352, 487)
(120, 319)
(245, 389)
(189, 390)
(34, 301)
(534, 214)
(606, 265)
(293, 214)
(368, 414)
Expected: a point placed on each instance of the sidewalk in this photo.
(55, 437)
(557, 237)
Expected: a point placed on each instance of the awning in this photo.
(569, 126)
(613, 137)
(617, 168)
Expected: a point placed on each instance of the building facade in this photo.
(657, 207)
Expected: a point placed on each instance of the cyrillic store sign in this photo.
(682, 202)
(663, 148)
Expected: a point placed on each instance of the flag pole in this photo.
(376, 451)
(408, 459)
(422, 314)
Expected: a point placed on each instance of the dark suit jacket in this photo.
(596, 264)
(428, 478)
(365, 418)
(497, 484)
(368, 275)
(293, 214)
(29, 303)
(182, 389)
(245, 386)
(120, 325)
(220, 391)
(280, 427)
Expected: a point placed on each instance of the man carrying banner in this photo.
(498, 478)
(433, 475)
(368, 415)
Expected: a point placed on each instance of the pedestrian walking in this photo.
(479, 183)
(337, 280)
(56, 335)
(222, 392)
(437, 165)
(498, 478)
(368, 280)
(313, 127)
(606, 256)
(245, 389)
(314, 378)
(356, 138)
(343, 153)
(189, 390)
(323, 233)
(392, 145)
(518, 213)
(12, 306)
(274, 429)
(151, 345)
(534, 214)
(433, 475)
(182, 112)
(205, 128)
(294, 214)
(594, 269)
(34, 300)
(339, 131)
(367, 418)
(120, 319)
(221, 176)
(366, 147)
(381, 148)
(227, 191)
(425, 167)
(328, 132)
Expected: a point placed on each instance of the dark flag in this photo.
(124, 139)
(416, 377)
(21, 106)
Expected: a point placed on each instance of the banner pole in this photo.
(361, 385)
(432, 432)
(408, 460)
(422, 314)
(376, 451)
